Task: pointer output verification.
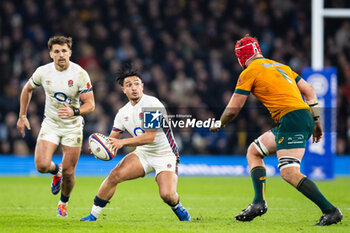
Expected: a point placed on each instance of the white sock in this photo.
(59, 173)
(96, 210)
(62, 203)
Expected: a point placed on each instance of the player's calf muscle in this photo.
(292, 175)
(169, 198)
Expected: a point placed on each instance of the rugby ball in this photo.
(99, 147)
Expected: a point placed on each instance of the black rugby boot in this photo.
(252, 211)
(330, 218)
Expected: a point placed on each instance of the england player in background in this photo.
(156, 149)
(65, 84)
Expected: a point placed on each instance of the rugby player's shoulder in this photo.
(247, 71)
(125, 108)
(45, 68)
(153, 100)
(78, 70)
(76, 67)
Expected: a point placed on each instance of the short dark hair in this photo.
(61, 40)
(127, 70)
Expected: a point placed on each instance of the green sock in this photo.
(310, 190)
(258, 175)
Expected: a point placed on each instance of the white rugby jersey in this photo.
(130, 118)
(60, 87)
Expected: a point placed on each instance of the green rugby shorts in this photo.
(294, 129)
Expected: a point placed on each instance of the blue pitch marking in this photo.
(11, 165)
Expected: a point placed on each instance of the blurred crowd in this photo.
(185, 50)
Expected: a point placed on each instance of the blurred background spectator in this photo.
(185, 49)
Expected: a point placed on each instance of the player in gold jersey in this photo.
(280, 89)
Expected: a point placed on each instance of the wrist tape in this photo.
(313, 104)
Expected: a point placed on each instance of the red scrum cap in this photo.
(245, 49)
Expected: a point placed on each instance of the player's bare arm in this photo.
(116, 135)
(87, 106)
(235, 105)
(26, 95)
(306, 90)
(144, 139)
(311, 99)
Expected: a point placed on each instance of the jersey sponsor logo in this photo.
(296, 139)
(61, 97)
(138, 131)
(70, 83)
(281, 140)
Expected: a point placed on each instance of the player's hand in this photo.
(65, 112)
(23, 123)
(90, 151)
(318, 132)
(214, 129)
(115, 144)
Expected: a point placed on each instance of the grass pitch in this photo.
(27, 205)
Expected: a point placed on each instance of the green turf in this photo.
(26, 205)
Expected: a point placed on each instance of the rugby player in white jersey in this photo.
(156, 149)
(65, 84)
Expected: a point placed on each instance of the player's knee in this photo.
(289, 168)
(67, 172)
(115, 177)
(292, 176)
(287, 174)
(252, 152)
(42, 168)
(257, 149)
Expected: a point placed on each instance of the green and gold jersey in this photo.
(274, 84)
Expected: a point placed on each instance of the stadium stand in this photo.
(185, 49)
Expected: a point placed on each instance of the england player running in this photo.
(65, 83)
(279, 89)
(156, 149)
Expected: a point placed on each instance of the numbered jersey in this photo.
(130, 118)
(274, 84)
(61, 87)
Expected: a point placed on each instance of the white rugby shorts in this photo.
(152, 163)
(71, 136)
